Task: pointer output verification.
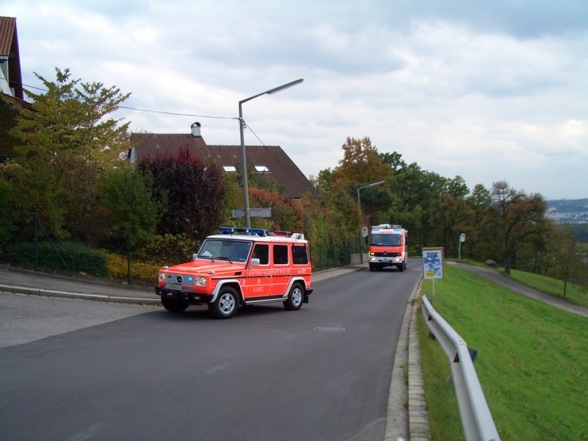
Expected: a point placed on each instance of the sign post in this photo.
(253, 212)
(433, 264)
(462, 238)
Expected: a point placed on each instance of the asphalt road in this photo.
(140, 373)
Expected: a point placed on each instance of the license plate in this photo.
(175, 286)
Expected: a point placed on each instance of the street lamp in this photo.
(243, 156)
(359, 210)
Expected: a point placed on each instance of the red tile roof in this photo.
(7, 31)
(281, 169)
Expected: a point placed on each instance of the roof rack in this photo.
(387, 226)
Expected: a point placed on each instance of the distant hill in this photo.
(572, 211)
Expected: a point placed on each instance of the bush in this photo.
(74, 257)
(171, 249)
(118, 268)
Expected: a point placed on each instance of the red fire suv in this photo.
(240, 266)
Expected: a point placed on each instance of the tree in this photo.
(480, 241)
(133, 210)
(518, 218)
(415, 190)
(565, 261)
(394, 159)
(195, 194)
(71, 119)
(361, 163)
(64, 139)
(449, 211)
(284, 216)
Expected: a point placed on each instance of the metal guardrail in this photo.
(476, 419)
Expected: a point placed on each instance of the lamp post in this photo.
(243, 156)
(359, 211)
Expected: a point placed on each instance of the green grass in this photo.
(532, 361)
(551, 286)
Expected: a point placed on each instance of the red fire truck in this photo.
(388, 247)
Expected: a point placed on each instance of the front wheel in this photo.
(226, 304)
(175, 306)
(295, 298)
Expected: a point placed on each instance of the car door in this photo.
(258, 279)
(281, 271)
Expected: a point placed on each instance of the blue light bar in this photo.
(253, 231)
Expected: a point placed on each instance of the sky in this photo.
(489, 91)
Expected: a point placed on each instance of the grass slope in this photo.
(532, 362)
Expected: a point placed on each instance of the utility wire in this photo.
(168, 113)
(146, 110)
(177, 114)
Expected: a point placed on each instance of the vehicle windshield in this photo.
(386, 239)
(225, 249)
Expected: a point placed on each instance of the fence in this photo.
(34, 247)
(329, 255)
(476, 419)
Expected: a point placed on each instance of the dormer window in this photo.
(230, 168)
(262, 169)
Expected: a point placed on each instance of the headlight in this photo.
(162, 277)
(201, 281)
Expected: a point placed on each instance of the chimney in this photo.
(195, 130)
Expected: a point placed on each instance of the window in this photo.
(262, 169)
(261, 252)
(387, 239)
(299, 255)
(280, 254)
(229, 168)
(225, 250)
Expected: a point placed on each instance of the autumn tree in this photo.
(285, 216)
(361, 163)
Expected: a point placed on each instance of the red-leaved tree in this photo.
(194, 191)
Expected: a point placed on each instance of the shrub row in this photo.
(60, 256)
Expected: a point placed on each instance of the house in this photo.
(10, 84)
(10, 75)
(270, 162)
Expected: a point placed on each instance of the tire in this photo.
(295, 298)
(226, 304)
(175, 306)
(401, 267)
(372, 268)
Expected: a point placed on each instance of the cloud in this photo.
(487, 91)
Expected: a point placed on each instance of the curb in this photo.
(79, 296)
(406, 414)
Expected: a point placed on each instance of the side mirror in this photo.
(254, 262)
(194, 256)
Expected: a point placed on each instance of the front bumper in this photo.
(184, 296)
(388, 260)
